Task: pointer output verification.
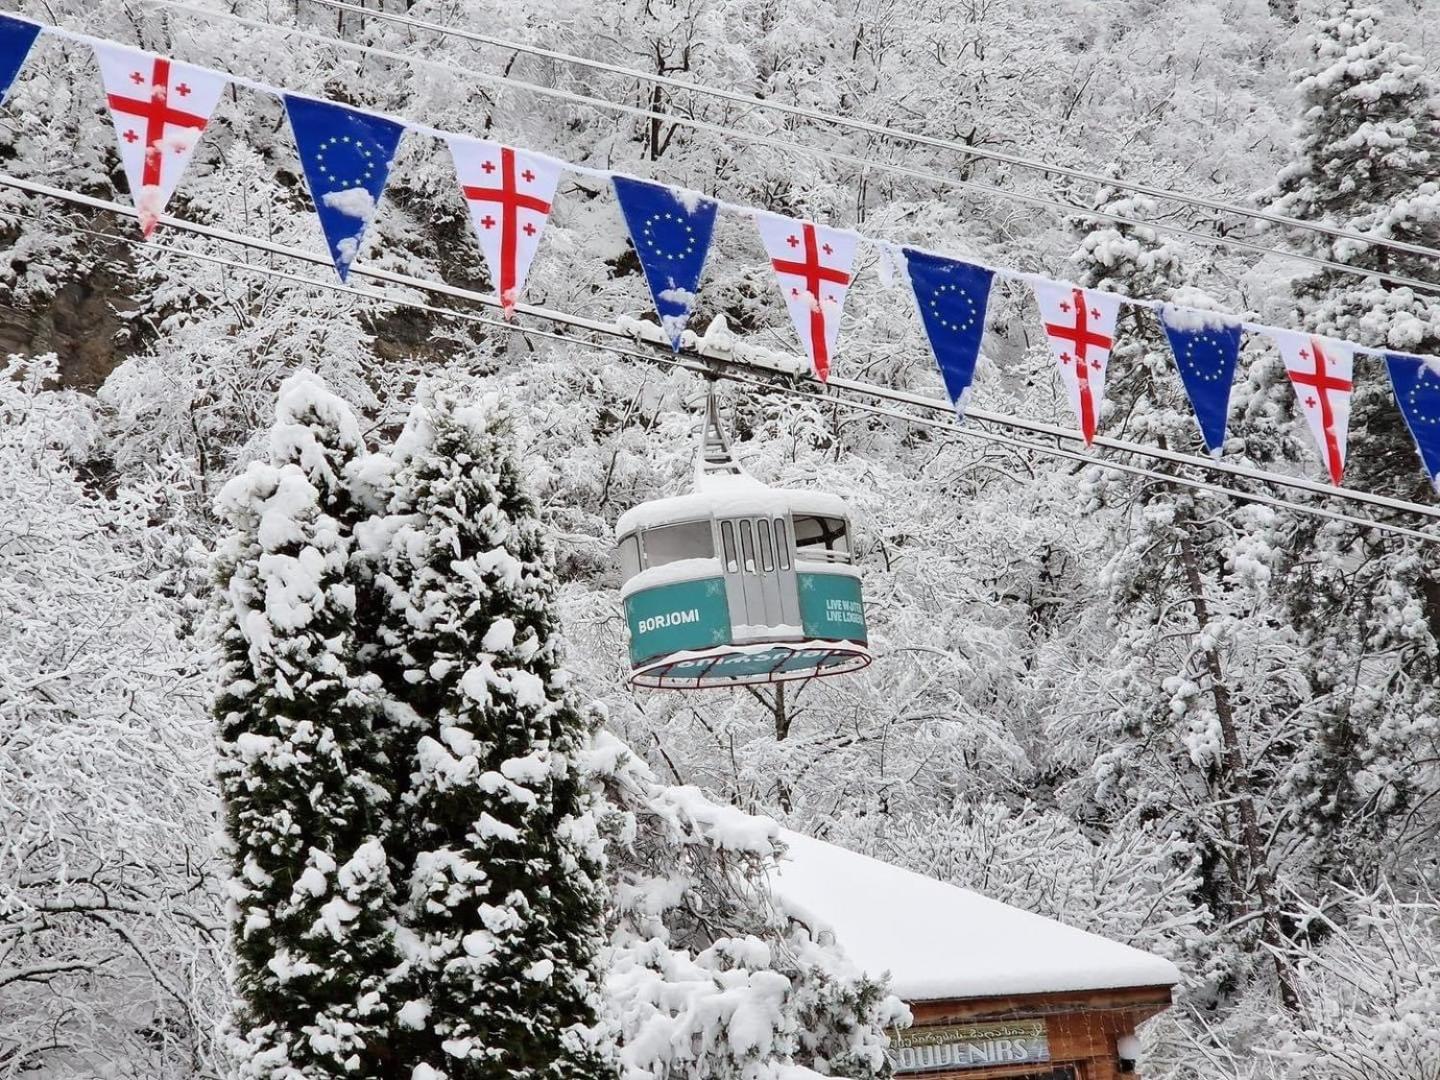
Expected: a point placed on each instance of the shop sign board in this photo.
(945, 1047)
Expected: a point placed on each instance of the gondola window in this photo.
(822, 539)
(629, 557)
(671, 543)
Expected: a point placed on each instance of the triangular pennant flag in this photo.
(812, 264)
(1416, 382)
(1321, 370)
(1080, 324)
(347, 156)
(509, 192)
(671, 231)
(951, 297)
(16, 38)
(1206, 348)
(160, 108)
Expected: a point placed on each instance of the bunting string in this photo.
(730, 356)
(744, 372)
(160, 109)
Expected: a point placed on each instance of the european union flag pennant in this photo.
(16, 37)
(1416, 382)
(347, 156)
(1206, 348)
(671, 231)
(952, 297)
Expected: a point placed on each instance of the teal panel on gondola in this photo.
(745, 665)
(682, 616)
(688, 669)
(739, 665)
(831, 608)
(806, 658)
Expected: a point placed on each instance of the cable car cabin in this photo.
(740, 583)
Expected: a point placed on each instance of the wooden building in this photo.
(997, 993)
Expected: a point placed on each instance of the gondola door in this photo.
(758, 578)
(785, 576)
(734, 578)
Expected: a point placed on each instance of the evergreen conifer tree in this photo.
(696, 944)
(1172, 587)
(496, 839)
(1367, 604)
(298, 765)
(1366, 160)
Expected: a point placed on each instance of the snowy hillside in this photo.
(1202, 727)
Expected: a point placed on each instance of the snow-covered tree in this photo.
(495, 838)
(1363, 160)
(111, 929)
(299, 768)
(1367, 606)
(1187, 746)
(1369, 1005)
(705, 977)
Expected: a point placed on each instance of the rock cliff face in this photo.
(89, 325)
(84, 325)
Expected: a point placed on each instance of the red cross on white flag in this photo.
(812, 264)
(1321, 370)
(160, 108)
(1080, 324)
(509, 192)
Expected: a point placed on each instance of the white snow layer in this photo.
(718, 340)
(835, 569)
(670, 574)
(730, 496)
(939, 941)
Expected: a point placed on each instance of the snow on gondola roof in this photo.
(718, 495)
(941, 942)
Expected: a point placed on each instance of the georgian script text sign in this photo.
(968, 1046)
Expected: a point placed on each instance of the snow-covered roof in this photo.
(729, 496)
(940, 942)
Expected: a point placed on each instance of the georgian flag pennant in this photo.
(1321, 370)
(812, 265)
(1416, 382)
(671, 231)
(1080, 324)
(16, 38)
(951, 297)
(1206, 347)
(159, 108)
(346, 155)
(509, 192)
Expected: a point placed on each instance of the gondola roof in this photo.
(729, 495)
